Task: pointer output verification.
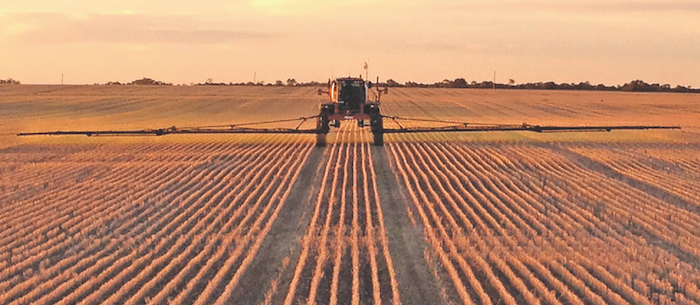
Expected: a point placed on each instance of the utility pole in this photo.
(494, 80)
(367, 70)
(61, 78)
(255, 74)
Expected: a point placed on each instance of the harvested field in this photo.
(523, 224)
(133, 223)
(473, 218)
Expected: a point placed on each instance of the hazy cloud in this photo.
(123, 28)
(305, 7)
(563, 40)
(573, 6)
(445, 45)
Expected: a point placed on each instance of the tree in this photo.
(279, 83)
(511, 82)
(549, 85)
(414, 84)
(392, 83)
(636, 85)
(9, 81)
(460, 83)
(148, 81)
(291, 82)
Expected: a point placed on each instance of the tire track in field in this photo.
(341, 255)
(639, 230)
(282, 240)
(650, 189)
(406, 241)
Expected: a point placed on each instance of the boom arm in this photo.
(172, 130)
(216, 129)
(466, 127)
(524, 127)
(322, 128)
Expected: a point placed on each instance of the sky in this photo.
(182, 42)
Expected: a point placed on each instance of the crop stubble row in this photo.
(176, 229)
(522, 224)
(679, 175)
(345, 251)
(517, 224)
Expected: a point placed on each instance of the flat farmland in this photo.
(434, 218)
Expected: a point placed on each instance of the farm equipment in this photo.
(348, 100)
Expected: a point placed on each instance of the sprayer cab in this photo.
(348, 100)
(349, 93)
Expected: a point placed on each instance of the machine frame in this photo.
(348, 100)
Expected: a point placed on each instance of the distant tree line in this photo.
(9, 81)
(210, 82)
(278, 83)
(633, 86)
(143, 81)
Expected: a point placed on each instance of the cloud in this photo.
(123, 27)
(445, 45)
(304, 7)
(632, 6)
(613, 7)
(573, 6)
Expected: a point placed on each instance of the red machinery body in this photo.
(349, 101)
(348, 97)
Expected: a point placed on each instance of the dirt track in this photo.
(282, 243)
(281, 249)
(406, 241)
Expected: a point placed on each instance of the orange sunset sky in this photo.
(176, 41)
